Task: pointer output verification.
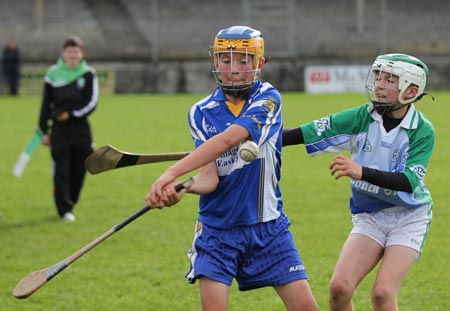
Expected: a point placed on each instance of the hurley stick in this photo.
(26, 154)
(108, 158)
(35, 280)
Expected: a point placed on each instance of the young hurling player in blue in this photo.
(242, 231)
(390, 143)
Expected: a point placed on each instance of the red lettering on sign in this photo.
(319, 76)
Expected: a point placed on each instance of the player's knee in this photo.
(340, 289)
(382, 295)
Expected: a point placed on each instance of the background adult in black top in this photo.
(70, 96)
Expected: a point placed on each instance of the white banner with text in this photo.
(335, 78)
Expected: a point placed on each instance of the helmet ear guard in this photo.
(242, 40)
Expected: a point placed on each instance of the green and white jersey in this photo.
(407, 149)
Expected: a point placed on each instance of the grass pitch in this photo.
(142, 267)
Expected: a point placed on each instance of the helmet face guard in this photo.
(232, 41)
(390, 76)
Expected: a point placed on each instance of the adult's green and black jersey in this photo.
(72, 93)
(68, 90)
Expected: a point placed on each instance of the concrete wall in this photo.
(162, 46)
(196, 76)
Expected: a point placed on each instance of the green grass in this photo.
(142, 267)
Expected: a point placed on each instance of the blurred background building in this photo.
(162, 45)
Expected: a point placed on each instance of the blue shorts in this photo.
(256, 256)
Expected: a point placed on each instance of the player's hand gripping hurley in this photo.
(35, 280)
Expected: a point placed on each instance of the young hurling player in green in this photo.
(390, 143)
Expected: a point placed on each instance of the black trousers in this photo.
(13, 83)
(68, 173)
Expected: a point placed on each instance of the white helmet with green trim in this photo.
(409, 70)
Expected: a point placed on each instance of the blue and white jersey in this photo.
(406, 149)
(247, 193)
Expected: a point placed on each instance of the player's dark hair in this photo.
(73, 41)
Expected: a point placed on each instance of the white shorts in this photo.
(395, 226)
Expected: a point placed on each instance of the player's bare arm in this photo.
(206, 180)
(201, 156)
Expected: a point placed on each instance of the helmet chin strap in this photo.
(383, 108)
(237, 90)
(423, 94)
